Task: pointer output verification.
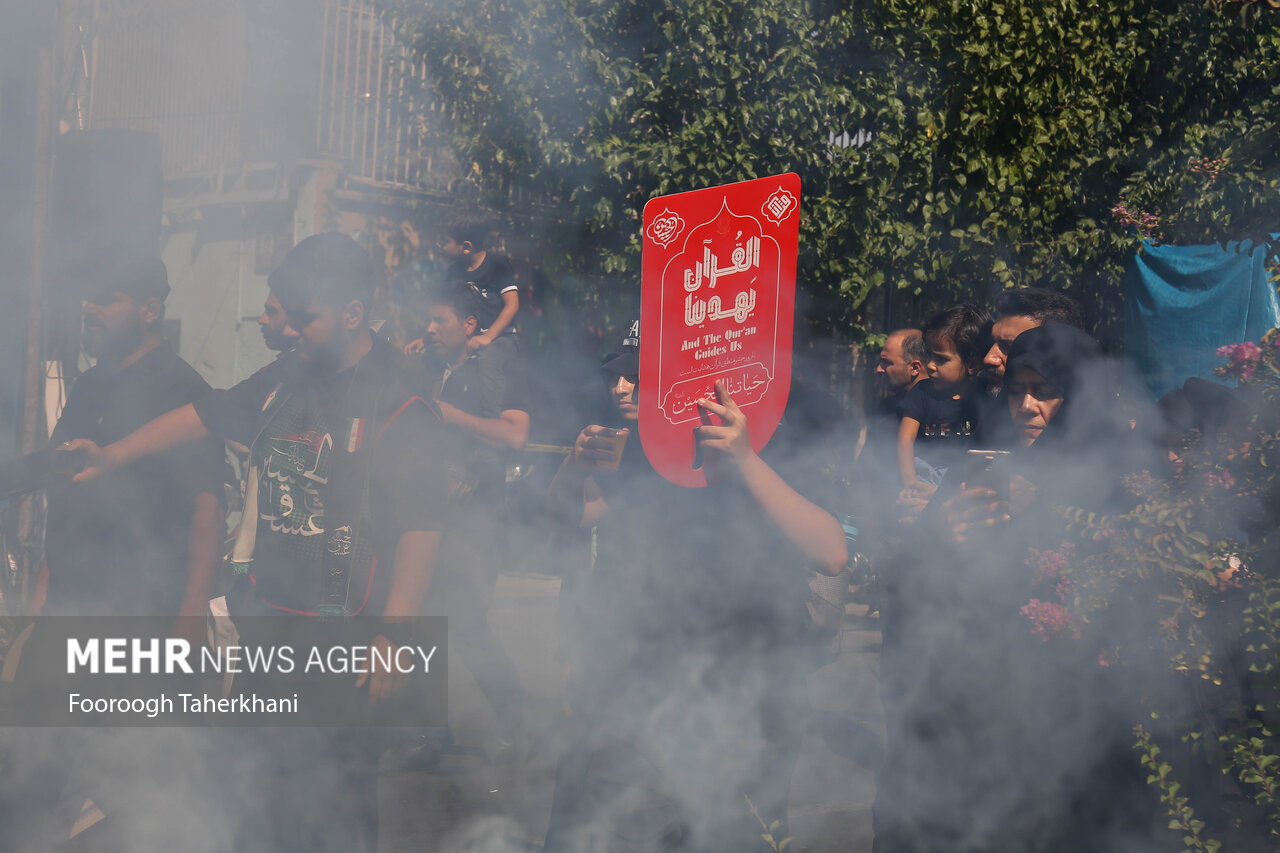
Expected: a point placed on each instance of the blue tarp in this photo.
(1183, 302)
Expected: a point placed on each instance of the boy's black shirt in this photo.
(494, 277)
(947, 426)
(233, 413)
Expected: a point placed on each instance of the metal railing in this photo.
(373, 114)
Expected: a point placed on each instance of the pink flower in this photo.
(1050, 620)
(1052, 569)
(1141, 221)
(1104, 658)
(1225, 480)
(1244, 352)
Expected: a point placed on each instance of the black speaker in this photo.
(107, 195)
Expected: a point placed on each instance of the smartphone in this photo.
(618, 440)
(988, 469)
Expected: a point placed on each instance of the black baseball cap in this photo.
(625, 359)
(138, 276)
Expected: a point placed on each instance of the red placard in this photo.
(717, 301)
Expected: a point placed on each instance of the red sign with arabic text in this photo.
(717, 302)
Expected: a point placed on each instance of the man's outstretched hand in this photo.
(82, 460)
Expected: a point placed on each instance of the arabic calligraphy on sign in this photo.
(745, 256)
(745, 384)
(698, 311)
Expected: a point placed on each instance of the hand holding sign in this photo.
(731, 438)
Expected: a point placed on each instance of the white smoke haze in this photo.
(255, 103)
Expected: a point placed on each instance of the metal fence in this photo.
(373, 112)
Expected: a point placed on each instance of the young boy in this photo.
(939, 415)
(465, 238)
(490, 275)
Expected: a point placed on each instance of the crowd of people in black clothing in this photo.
(374, 464)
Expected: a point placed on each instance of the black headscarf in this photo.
(1072, 362)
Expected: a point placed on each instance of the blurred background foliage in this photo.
(946, 150)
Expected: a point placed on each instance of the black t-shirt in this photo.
(485, 385)
(494, 277)
(883, 420)
(346, 463)
(947, 426)
(118, 544)
(234, 413)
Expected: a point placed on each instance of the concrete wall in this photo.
(218, 290)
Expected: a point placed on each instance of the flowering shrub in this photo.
(1186, 585)
(1245, 359)
(1248, 357)
(1146, 224)
(1049, 620)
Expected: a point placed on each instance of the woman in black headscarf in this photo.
(1056, 374)
(1008, 734)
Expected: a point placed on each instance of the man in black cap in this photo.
(119, 546)
(141, 541)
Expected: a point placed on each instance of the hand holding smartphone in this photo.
(616, 439)
(988, 469)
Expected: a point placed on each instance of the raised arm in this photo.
(510, 307)
(808, 527)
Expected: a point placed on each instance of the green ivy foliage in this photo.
(946, 149)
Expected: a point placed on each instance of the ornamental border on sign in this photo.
(715, 369)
